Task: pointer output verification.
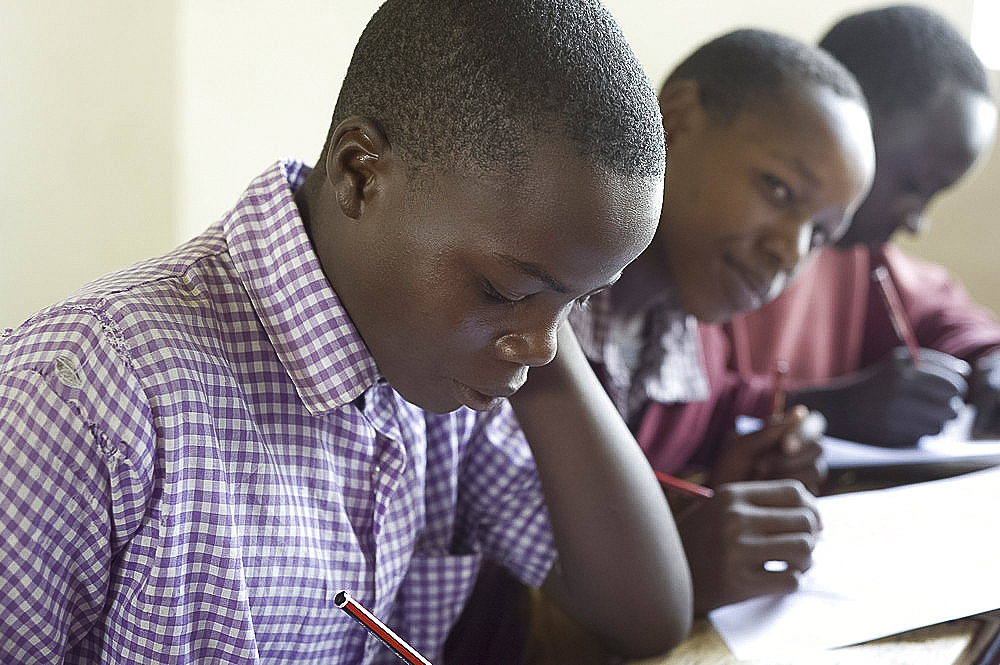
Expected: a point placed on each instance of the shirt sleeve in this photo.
(942, 314)
(71, 494)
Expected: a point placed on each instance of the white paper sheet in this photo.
(951, 445)
(887, 561)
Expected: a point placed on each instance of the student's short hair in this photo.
(743, 70)
(902, 55)
(460, 83)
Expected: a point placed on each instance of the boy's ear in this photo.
(356, 163)
(680, 105)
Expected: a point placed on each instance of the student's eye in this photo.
(777, 190)
(583, 302)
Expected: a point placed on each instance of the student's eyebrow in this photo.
(806, 173)
(533, 270)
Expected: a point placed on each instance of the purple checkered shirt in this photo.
(198, 453)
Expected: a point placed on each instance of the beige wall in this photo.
(130, 126)
(258, 80)
(87, 143)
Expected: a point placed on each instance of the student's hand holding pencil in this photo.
(756, 533)
(786, 447)
(749, 539)
(894, 402)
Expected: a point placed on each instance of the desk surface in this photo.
(952, 643)
(556, 640)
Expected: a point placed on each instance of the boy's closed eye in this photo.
(497, 295)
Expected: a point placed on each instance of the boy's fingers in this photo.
(750, 446)
(801, 425)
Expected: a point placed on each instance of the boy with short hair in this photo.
(769, 151)
(201, 450)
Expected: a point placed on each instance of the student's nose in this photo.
(533, 348)
(913, 222)
(789, 243)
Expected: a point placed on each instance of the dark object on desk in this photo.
(857, 466)
(984, 394)
(991, 654)
(880, 476)
(984, 649)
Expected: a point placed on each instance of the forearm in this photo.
(622, 568)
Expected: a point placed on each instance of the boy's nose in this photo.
(789, 244)
(532, 348)
(913, 222)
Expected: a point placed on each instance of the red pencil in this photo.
(683, 486)
(897, 315)
(778, 389)
(344, 601)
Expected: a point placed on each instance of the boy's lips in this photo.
(485, 399)
(747, 288)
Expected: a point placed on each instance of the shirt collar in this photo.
(649, 351)
(309, 328)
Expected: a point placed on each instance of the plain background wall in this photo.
(129, 127)
(88, 143)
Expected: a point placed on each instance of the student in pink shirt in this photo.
(769, 153)
(933, 118)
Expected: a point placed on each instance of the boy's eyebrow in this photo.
(806, 173)
(533, 270)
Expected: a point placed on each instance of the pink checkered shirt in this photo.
(198, 453)
(652, 354)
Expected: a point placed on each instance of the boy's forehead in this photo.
(809, 107)
(562, 213)
(554, 179)
(956, 126)
(551, 206)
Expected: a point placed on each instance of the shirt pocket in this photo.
(429, 600)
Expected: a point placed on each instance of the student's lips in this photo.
(747, 289)
(483, 400)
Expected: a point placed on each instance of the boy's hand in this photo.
(785, 448)
(984, 394)
(895, 402)
(731, 537)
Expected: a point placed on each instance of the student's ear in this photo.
(680, 105)
(356, 163)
